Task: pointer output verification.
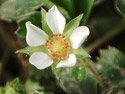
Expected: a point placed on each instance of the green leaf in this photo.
(111, 65)
(75, 77)
(31, 49)
(80, 53)
(83, 6)
(45, 26)
(1, 90)
(15, 9)
(120, 6)
(35, 19)
(78, 73)
(14, 87)
(70, 78)
(32, 86)
(74, 23)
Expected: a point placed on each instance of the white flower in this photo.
(59, 47)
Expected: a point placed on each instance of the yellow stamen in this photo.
(59, 48)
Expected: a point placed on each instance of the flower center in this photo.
(59, 47)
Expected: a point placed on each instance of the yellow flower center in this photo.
(58, 47)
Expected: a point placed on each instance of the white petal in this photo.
(35, 36)
(55, 20)
(40, 60)
(78, 36)
(71, 61)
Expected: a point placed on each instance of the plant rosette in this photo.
(62, 45)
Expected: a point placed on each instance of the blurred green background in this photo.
(105, 70)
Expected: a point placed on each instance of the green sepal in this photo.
(80, 53)
(45, 26)
(74, 23)
(111, 65)
(32, 49)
